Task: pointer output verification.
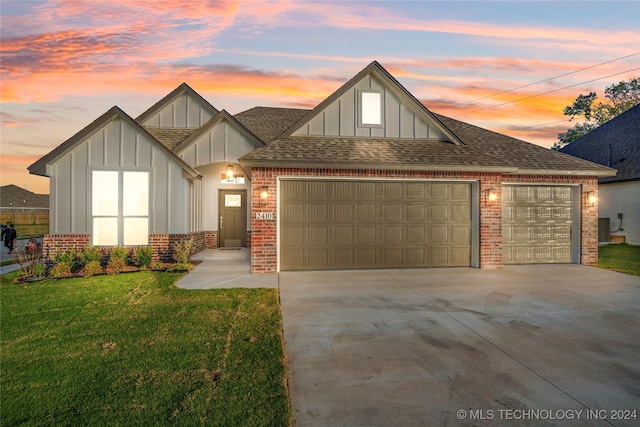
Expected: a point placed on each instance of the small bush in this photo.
(143, 256)
(60, 269)
(67, 257)
(116, 265)
(120, 253)
(92, 268)
(89, 254)
(182, 251)
(38, 270)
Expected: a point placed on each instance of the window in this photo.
(370, 108)
(120, 208)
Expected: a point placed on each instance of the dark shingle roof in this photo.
(615, 144)
(12, 196)
(170, 137)
(267, 123)
(483, 150)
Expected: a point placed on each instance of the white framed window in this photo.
(119, 208)
(370, 104)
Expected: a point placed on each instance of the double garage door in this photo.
(331, 224)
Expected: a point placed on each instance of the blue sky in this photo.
(65, 62)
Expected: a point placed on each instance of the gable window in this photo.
(370, 108)
(119, 208)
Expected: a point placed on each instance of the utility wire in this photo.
(551, 78)
(545, 93)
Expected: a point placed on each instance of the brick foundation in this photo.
(264, 232)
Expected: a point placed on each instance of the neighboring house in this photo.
(21, 206)
(616, 144)
(370, 178)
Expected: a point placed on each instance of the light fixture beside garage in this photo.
(592, 198)
(490, 195)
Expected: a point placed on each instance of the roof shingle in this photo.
(615, 144)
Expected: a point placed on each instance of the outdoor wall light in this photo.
(592, 198)
(229, 172)
(264, 194)
(490, 195)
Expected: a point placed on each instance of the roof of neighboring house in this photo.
(267, 123)
(12, 196)
(481, 150)
(615, 144)
(40, 166)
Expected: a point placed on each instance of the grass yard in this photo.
(134, 350)
(622, 257)
(31, 230)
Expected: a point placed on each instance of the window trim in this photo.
(361, 93)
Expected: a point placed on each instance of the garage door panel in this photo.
(537, 224)
(363, 224)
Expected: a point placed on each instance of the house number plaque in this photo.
(264, 215)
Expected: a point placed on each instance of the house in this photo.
(370, 178)
(616, 144)
(21, 206)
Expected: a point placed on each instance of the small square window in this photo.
(371, 108)
(233, 200)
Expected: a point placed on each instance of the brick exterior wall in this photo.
(54, 243)
(264, 231)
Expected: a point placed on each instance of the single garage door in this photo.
(327, 224)
(536, 224)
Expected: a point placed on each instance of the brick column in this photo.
(264, 249)
(491, 222)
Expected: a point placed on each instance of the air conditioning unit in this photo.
(604, 229)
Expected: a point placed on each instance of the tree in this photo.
(621, 96)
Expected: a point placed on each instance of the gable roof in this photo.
(377, 70)
(267, 123)
(615, 144)
(12, 196)
(40, 166)
(221, 116)
(480, 150)
(170, 137)
(183, 88)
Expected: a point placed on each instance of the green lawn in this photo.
(134, 350)
(622, 257)
(32, 230)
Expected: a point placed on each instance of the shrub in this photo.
(68, 257)
(89, 254)
(92, 268)
(116, 265)
(60, 269)
(120, 253)
(182, 251)
(38, 270)
(143, 256)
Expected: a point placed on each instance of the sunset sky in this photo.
(66, 62)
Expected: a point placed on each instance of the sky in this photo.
(510, 67)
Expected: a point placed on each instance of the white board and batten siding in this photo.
(399, 119)
(183, 112)
(222, 143)
(116, 146)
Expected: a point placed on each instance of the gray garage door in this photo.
(536, 224)
(374, 224)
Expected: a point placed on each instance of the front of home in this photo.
(370, 178)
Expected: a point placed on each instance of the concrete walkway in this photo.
(225, 268)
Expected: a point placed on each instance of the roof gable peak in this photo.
(372, 104)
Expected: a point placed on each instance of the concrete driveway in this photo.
(525, 345)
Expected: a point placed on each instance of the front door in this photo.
(233, 218)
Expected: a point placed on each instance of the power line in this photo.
(546, 124)
(545, 93)
(552, 78)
